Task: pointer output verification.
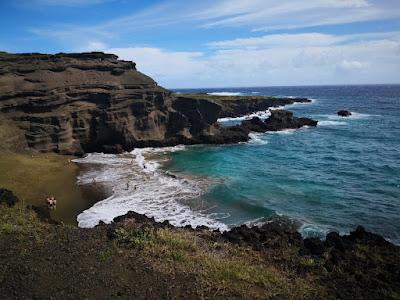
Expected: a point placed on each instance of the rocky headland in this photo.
(93, 102)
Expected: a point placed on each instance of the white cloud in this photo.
(93, 45)
(301, 40)
(266, 15)
(351, 65)
(167, 66)
(358, 61)
(280, 40)
(274, 59)
(258, 15)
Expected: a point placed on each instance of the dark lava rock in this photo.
(279, 120)
(333, 239)
(228, 135)
(314, 246)
(8, 197)
(140, 218)
(283, 119)
(273, 234)
(344, 113)
(240, 107)
(255, 124)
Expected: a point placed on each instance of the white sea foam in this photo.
(139, 185)
(264, 114)
(284, 131)
(225, 94)
(257, 138)
(354, 116)
(314, 230)
(331, 123)
(360, 116)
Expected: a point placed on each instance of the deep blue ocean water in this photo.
(343, 173)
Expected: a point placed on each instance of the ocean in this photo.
(343, 173)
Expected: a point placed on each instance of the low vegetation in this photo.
(204, 266)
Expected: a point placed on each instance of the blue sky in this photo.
(219, 43)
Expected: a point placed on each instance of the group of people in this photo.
(51, 202)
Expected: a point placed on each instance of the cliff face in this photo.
(93, 102)
(75, 103)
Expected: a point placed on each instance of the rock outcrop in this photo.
(93, 102)
(279, 120)
(237, 107)
(76, 103)
(344, 113)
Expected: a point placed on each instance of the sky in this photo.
(219, 43)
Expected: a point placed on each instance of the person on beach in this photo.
(51, 202)
(48, 201)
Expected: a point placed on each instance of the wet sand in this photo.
(35, 177)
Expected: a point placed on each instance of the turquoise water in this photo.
(341, 174)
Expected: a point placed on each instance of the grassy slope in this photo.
(38, 260)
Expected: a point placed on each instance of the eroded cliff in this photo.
(75, 103)
(93, 102)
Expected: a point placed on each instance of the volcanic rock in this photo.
(344, 113)
(93, 102)
(283, 119)
(279, 120)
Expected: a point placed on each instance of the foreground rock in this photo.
(8, 197)
(137, 258)
(344, 113)
(360, 265)
(279, 120)
(93, 102)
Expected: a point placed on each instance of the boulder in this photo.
(344, 113)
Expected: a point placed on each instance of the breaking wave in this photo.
(138, 184)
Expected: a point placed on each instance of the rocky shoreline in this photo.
(134, 253)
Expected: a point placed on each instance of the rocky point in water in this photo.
(279, 120)
(344, 113)
(93, 102)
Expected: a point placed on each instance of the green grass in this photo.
(20, 222)
(104, 255)
(218, 266)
